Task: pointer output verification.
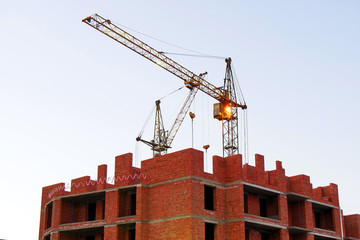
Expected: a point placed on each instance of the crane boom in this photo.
(180, 118)
(190, 79)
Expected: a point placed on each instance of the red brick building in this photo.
(171, 197)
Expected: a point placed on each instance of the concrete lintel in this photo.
(351, 238)
(251, 185)
(79, 194)
(322, 204)
(297, 196)
(265, 224)
(298, 229)
(325, 235)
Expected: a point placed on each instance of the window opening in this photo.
(209, 197)
(263, 207)
(49, 209)
(317, 220)
(127, 202)
(209, 231)
(91, 211)
(264, 236)
(132, 234)
(132, 208)
(246, 204)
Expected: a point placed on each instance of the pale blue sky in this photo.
(71, 98)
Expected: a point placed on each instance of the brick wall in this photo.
(168, 192)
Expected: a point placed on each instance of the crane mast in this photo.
(230, 125)
(226, 110)
(161, 144)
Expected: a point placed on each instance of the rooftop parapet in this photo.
(328, 194)
(352, 226)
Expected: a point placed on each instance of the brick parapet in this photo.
(125, 172)
(300, 184)
(233, 168)
(352, 226)
(327, 194)
(275, 179)
(172, 166)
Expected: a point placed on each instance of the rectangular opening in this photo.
(132, 234)
(49, 210)
(102, 205)
(317, 220)
(265, 236)
(47, 237)
(209, 198)
(127, 232)
(127, 202)
(261, 202)
(89, 207)
(93, 233)
(247, 234)
(263, 207)
(132, 207)
(91, 211)
(209, 231)
(323, 218)
(296, 213)
(246, 203)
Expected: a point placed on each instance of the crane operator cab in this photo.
(223, 111)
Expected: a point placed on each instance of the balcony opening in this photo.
(127, 202)
(127, 232)
(209, 231)
(89, 207)
(261, 231)
(93, 233)
(261, 202)
(209, 197)
(296, 211)
(49, 210)
(323, 217)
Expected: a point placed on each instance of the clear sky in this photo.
(72, 99)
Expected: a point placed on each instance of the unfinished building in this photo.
(171, 197)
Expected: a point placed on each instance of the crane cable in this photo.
(192, 55)
(152, 111)
(246, 136)
(237, 85)
(244, 124)
(198, 54)
(146, 122)
(172, 92)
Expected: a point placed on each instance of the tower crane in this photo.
(163, 139)
(226, 110)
